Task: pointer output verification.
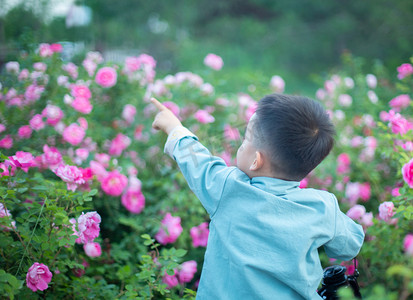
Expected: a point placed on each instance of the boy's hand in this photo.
(165, 120)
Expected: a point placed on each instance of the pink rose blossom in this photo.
(23, 160)
(343, 163)
(33, 93)
(5, 213)
(133, 200)
(128, 113)
(367, 220)
(24, 132)
(98, 170)
(400, 125)
(118, 144)
(106, 77)
(386, 211)
(36, 123)
(345, 100)
(51, 157)
(82, 105)
(12, 67)
(400, 102)
(407, 172)
(199, 235)
(45, 50)
(230, 133)
(90, 66)
(72, 175)
(74, 134)
(71, 69)
(170, 280)
(38, 277)
(40, 66)
(4, 169)
(114, 183)
(187, 271)
(88, 227)
(204, 117)
(83, 123)
(6, 142)
(252, 107)
(408, 244)
(277, 84)
(92, 249)
(356, 212)
(404, 70)
(82, 153)
(80, 90)
(103, 159)
(56, 47)
(53, 114)
(170, 229)
(371, 81)
(303, 183)
(395, 192)
(206, 89)
(2, 128)
(214, 61)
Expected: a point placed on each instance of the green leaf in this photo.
(180, 252)
(93, 192)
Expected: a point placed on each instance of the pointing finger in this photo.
(158, 104)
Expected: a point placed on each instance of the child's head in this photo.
(290, 134)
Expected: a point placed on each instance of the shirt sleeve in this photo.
(206, 174)
(348, 237)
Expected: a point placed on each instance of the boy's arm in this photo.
(206, 174)
(348, 237)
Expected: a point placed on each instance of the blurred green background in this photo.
(298, 40)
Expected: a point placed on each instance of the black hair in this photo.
(295, 132)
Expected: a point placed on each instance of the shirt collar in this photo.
(274, 185)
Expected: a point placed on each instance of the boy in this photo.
(265, 231)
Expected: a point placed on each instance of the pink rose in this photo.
(230, 133)
(24, 132)
(404, 70)
(199, 235)
(88, 227)
(72, 175)
(114, 183)
(386, 211)
(99, 170)
(80, 90)
(407, 172)
(90, 66)
(56, 48)
(170, 229)
(73, 134)
(204, 117)
(187, 271)
(53, 114)
(367, 219)
(106, 77)
(33, 93)
(343, 163)
(128, 113)
(345, 100)
(51, 157)
(400, 102)
(371, 81)
(133, 200)
(408, 244)
(23, 160)
(277, 84)
(82, 153)
(6, 142)
(170, 280)
(92, 249)
(303, 183)
(82, 105)
(356, 212)
(103, 158)
(118, 144)
(213, 61)
(398, 124)
(72, 69)
(36, 123)
(38, 277)
(2, 128)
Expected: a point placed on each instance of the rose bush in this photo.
(87, 194)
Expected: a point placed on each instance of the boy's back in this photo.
(264, 232)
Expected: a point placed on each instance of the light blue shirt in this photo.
(264, 232)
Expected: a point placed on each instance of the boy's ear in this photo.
(258, 161)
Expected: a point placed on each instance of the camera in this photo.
(335, 277)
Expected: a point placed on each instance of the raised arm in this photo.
(206, 174)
